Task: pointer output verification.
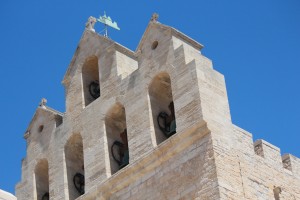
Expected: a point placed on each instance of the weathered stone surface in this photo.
(207, 158)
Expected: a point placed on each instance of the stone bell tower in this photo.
(153, 123)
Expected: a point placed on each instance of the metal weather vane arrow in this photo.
(107, 21)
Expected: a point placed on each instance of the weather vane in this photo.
(107, 21)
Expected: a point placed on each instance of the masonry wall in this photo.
(205, 159)
(263, 169)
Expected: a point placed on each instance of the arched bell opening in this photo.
(75, 166)
(42, 180)
(116, 132)
(90, 80)
(162, 107)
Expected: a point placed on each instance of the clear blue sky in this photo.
(255, 44)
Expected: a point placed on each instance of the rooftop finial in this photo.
(107, 21)
(43, 102)
(154, 17)
(89, 25)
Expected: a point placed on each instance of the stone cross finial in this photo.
(43, 102)
(154, 17)
(89, 25)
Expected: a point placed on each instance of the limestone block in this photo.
(270, 152)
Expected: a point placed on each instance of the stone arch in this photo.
(74, 158)
(161, 101)
(90, 80)
(41, 173)
(116, 133)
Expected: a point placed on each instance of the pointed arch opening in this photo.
(42, 180)
(162, 107)
(117, 140)
(90, 80)
(75, 166)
